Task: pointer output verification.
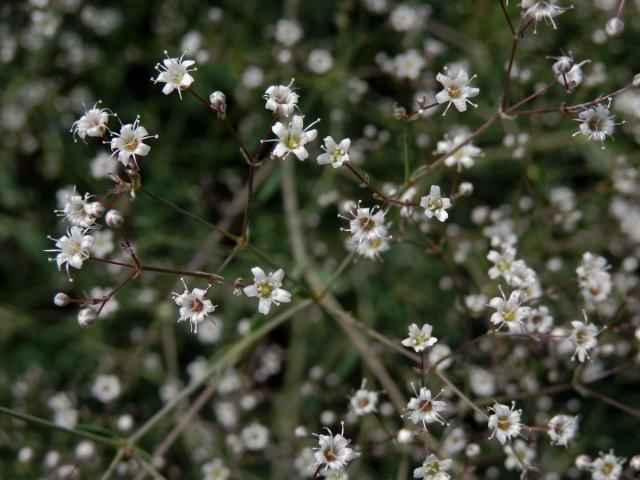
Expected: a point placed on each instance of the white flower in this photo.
(440, 352)
(419, 338)
(424, 409)
(73, 248)
(267, 289)
(106, 388)
(103, 243)
(502, 262)
(540, 320)
(93, 123)
(504, 422)
(288, 32)
(519, 455)
(370, 247)
(435, 205)
(320, 61)
(537, 10)
(509, 312)
(108, 308)
(596, 123)
(293, 137)
(593, 278)
(461, 158)
(335, 154)
(281, 99)
(103, 165)
(456, 89)
(335, 475)
(194, 306)
(364, 401)
(433, 469)
(561, 429)
(408, 65)
(215, 470)
(333, 452)
(130, 142)
(584, 338)
(567, 72)
(255, 436)
(174, 73)
(482, 382)
(607, 466)
(366, 224)
(79, 210)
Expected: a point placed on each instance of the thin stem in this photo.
(506, 16)
(507, 82)
(198, 219)
(111, 442)
(247, 207)
(588, 392)
(114, 463)
(407, 173)
(317, 472)
(170, 271)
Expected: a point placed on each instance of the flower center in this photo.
(504, 423)
(426, 406)
(434, 204)
(594, 124)
(265, 289)
(509, 316)
(292, 142)
(454, 92)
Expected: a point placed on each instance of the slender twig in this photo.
(114, 463)
(506, 16)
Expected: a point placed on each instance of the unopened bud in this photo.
(472, 450)
(614, 27)
(466, 189)
(61, 299)
(218, 101)
(635, 462)
(86, 317)
(114, 219)
(583, 462)
(636, 80)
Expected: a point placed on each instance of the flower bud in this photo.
(95, 209)
(636, 80)
(114, 219)
(614, 27)
(583, 462)
(85, 451)
(61, 299)
(472, 450)
(466, 189)
(86, 317)
(635, 462)
(218, 101)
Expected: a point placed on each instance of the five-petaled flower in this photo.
(129, 143)
(456, 89)
(420, 337)
(194, 305)
(281, 99)
(293, 137)
(73, 248)
(335, 154)
(174, 73)
(268, 289)
(435, 205)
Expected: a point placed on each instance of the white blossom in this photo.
(215, 470)
(293, 137)
(538, 10)
(268, 289)
(335, 154)
(174, 73)
(281, 99)
(584, 338)
(509, 311)
(364, 401)
(596, 123)
(424, 409)
(106, 388)
(73, 248)
(433, 469)
(435, 205)
(93, 123)
(607, 466)
(419, 337)
(79, 210)
(464, 156)
(194, 306)
(561, 429)
(504, 422)
(456, 89)
(129, 143)
(333, 452)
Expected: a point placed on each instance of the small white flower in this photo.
(366, 224)
(174, 73)
(267, 289)
(537, 10)
(194, 306)
(439, 356)
(336, 154)
(93, 123)
(540, 320)
(567, 72)
(79, 210)
(255, 436)
(419, 337)
(293, 137)
(596, 123)
(504, 422)
(215, 470)
(371, 248)
(320, 61)
(435, 205)
(561, 429)
(129, 143)
(607, 466)
(281, 99)
(408, 65)
(520, 456)
(433, 469)
(73, 248)
(464, 157)
(456, 90)
(364, 401)
(482, 382)
(333, 452)
(584, 338)
(509, 312)
(424, 409)
(106, 388)
(288, 32)
(502, 262)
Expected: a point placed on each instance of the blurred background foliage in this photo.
(88, 51)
